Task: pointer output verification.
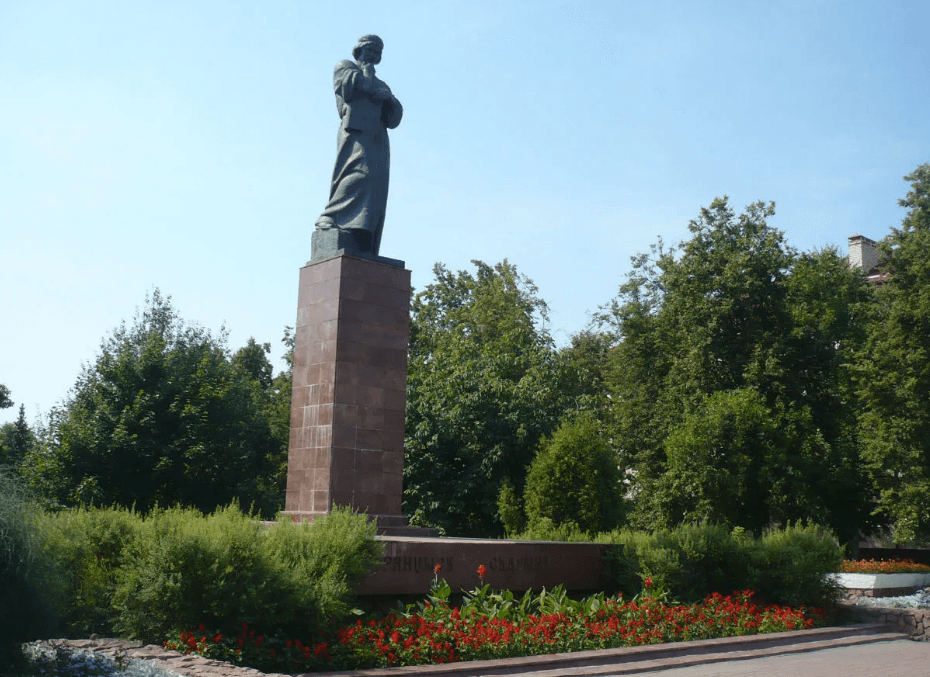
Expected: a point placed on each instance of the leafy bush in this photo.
(544, 529)
(87, 545)
(226, 569)
(186, 569)
(320, 563)
(790, 566)
(510, 509)
(574, 478)
(785, 566)
(26, 607)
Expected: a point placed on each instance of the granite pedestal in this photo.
(349, 391)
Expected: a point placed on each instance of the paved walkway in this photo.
(898, 658)
(867, 649)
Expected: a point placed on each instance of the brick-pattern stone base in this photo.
(852, 594)
(347, 406)
(914, 622)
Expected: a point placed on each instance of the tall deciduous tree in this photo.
(5, 401)
(727, 384)
(483, 388)
(161, 415)
(893, 371)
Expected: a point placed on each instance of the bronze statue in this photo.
(353, 219)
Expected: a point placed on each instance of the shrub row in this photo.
(25, 609)
(115, 571)
(786, 566)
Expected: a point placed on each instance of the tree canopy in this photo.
(162, 415)
(727, 381)
(16, 440)
(483, 388)
(5, 401)
(893, 371)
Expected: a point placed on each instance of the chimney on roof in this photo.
(862, 253)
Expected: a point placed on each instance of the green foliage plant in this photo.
(484, 386)
(787, 566)
(544, 529)
(510, 509)
(320, 562)
(892, 375)
(17, 439)
(26, 577)
(88, 546)
(730, 394)
(222, 570)
(790, 566)
(574, 478)
(163, 415)
(186, 568)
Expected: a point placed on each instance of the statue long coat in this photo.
(359, 189)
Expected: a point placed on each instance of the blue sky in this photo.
(189, 145)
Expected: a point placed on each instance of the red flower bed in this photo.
(440, 634)
(871, 566)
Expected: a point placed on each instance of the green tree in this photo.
(893, 372)
(728, 374)
(5, 401)
(574, 479)
(271, 396)
(484, 386)
(162, 415)
(16, 440)
(277, 412)
(584, 363)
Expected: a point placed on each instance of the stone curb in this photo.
(626, 660)
(914, 622)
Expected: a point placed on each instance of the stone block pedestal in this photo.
(349, 392)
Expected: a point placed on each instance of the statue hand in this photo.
(381, 93)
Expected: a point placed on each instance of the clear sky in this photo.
(188, 146)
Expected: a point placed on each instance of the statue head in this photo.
(373, 42)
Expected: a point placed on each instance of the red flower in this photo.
(481, 571)
(437, 568)
(648, 582)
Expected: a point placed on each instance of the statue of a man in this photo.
(354, 217)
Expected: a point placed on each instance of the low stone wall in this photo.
(408, 565)
(187, 665)
(914, 622)
(852, 594)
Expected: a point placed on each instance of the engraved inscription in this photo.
(528, 564)
(417, 564)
